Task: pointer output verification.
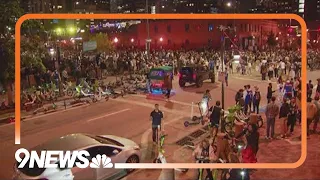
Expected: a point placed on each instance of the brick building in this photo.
(174, 34)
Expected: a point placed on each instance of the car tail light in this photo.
(194, 76)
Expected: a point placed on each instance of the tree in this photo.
(31, 49)
(272, 42)
(103, 42)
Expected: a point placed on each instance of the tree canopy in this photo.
(103, 42)
(272, 41)
(31, 48)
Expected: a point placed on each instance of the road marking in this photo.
(176, 102)
(163, 109)
(107, 115)
(247, 79)
(49, 114)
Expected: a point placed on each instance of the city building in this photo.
(309, 10)
(177, 6)
(174, 34)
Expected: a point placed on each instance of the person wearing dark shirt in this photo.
(318, 88)
(239, 96)
(252, 137)
(215, 118)
(283, 116)
(292, 116)
(270, 92)
(156, 117)
(309, 89)
(256, 100)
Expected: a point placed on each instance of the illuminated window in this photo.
(210, 27)
(301, 6)
(59, 7)
(301, 10)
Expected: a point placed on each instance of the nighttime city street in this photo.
(160, 91)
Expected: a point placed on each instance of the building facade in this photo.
(308, 9)
(176, 34)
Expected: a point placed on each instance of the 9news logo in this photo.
(55, 159)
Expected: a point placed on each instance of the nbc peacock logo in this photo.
(101, 161)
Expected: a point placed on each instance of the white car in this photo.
(120, 150)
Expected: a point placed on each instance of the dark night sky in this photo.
(245, 5)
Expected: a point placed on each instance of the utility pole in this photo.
(148, 32)
(222, 29)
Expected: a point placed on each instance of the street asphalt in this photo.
(129, 117)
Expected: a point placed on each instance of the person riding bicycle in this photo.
(236, 174)
(252, 143)
(203, 153)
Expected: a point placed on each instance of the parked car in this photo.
(120, 150)
(195, 75)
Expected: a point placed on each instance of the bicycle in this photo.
(161, 158)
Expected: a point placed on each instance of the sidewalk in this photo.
(5, 114)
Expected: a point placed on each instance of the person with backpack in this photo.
(317, 117)
(256, 100)
(248, 100)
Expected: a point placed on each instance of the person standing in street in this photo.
(248, 100)
(317, 117)
(215, 117)
(272, 111)
(311, 113)
(283, 116)
(270, 92)
(292, 116)
(168, 85)
(256, 100)
(309, 89)
(156, 117)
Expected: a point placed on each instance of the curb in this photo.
(4, 121)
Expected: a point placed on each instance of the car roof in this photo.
(68, 142)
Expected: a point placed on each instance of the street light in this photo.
(71, 30)
(51, 51)
(132, 40)
(58, 30)
(148, 32)
(161, 39)
(229, 4)
(116, 40)
(77, 3)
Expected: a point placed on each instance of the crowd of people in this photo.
(284, 101)
(73, 65)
